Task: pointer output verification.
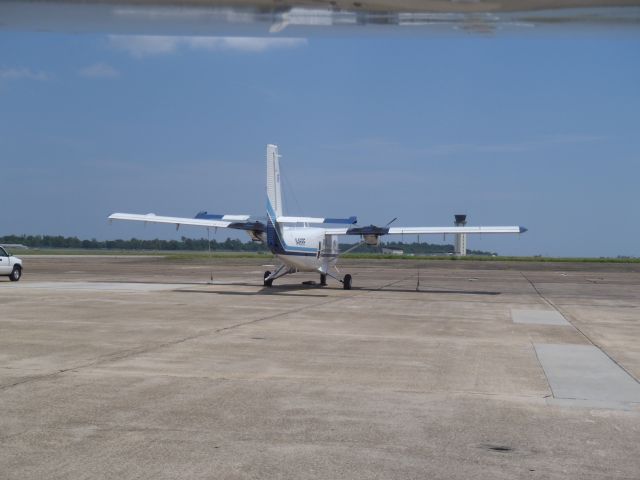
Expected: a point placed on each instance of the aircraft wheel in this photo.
(267, 283)
(15, 274)
(323, 279)
(346, 282)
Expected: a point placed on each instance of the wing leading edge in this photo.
(445, 230)
(177, 221)
(379, 231)
(236, 222)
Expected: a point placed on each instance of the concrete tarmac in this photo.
(142, 367)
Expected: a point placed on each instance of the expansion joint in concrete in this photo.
(572, 322)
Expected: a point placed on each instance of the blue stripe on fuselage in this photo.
(276, 242)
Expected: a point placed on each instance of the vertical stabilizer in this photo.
(274, 192)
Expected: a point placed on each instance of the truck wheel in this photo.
(16, 274)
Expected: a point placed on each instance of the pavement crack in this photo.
(544, 372)
(124, 354)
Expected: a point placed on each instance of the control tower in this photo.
(461, 238)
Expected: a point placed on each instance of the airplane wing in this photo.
(153, 218)
(372, 230)
(446, 230)
(202, 219)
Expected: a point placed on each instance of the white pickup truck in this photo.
(10, 266)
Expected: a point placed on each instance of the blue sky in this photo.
(540, 131)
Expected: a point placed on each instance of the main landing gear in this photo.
(346, 281)
(268, 278)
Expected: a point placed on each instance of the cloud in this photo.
(99, 70)
(22, 74)
(145, 45)
(245, 44)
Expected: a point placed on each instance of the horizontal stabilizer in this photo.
(318, 220)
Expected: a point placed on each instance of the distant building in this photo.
(461, 238)
(392, 251)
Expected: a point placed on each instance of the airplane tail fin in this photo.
(274, 192)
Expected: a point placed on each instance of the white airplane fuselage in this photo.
(304, 248)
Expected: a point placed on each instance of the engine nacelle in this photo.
(371, 234)
(373, 240)
(257, 236)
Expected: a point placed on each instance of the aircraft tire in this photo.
(346, 282)
(16, 274)
(267, 283)
(323, 279)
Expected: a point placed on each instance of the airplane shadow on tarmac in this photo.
(285, 289)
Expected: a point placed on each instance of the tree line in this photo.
(188, 244)
(202, 244)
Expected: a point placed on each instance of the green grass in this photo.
(172, 255)
(191, 255)
(484, 258)
(19, 252)
(205, 255)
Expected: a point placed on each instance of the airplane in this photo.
(303, 244)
